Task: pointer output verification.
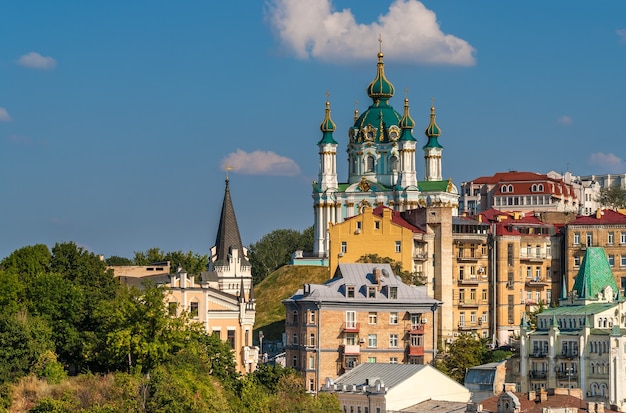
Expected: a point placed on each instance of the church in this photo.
(381, 164)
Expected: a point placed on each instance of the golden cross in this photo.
(327, 95)
(380, 42)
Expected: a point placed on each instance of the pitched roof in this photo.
(361, 276)
(594, 274)
(227, 232)
(396, 218)
(607, 217)
(390, 374)
(512, 176)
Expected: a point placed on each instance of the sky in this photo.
(119, 119)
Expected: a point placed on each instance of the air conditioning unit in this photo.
(448, 341)
(455, 334)
(424, 320)
(341, 254)
(362, 341)
(358, 231)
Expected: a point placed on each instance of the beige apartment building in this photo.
(364, 314)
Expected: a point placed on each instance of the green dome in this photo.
(374, 124)
(327, 127)
(407, 123)
(432, 131)
(380, 88)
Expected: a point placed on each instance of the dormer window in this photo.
(393, 292)
(350, 291)
(540, 187)
(371, 292)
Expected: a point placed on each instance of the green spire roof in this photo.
(432, 131)
(407, 123)
(327, 127)
(380, 88)
(594, 275)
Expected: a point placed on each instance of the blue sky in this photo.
(117, 118)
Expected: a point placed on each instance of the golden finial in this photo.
(356, 110)
(327, 95)
(406, 92)
(432, 101)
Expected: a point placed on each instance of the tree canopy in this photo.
(408, 277)
(274, 250)
(613, 197)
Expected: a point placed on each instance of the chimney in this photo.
(480, 218)
(599, 213)
(591, 407)
(543, 395)
(532, 395)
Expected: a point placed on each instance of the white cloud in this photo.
(608, 161)
(34, 60)
(20, 140)
(622, 35)
(564, 120)
(410, 32)
(260, 163)
(4, 115)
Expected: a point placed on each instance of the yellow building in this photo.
(379, 230)
(220, 298)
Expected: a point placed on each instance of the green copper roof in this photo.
(433, 186)
(594, 275)
(373, 124)
(589, 309)
(327, 127)
(380, 88)
(407, 123)
(432, 131)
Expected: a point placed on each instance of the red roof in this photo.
(532, 406)
(396, 218)
(607, 217)
(512, 176)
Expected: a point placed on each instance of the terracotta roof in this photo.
(608, 216)
(532, 406)
(396, 218)
(512, 176)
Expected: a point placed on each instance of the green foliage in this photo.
(191, 262)
(28, 261)
(613, 197)
(12, 292)
(274, 250)
(47, 367)
(410, 278)
(22, 341)
(119, 261)
(532, 315)
(269, 375)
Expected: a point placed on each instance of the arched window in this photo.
(393, 163)
(353, 164)
(510, 189)
(370, 163)
(593, 367)
(503, 188)
(533, 188)
(540, 187)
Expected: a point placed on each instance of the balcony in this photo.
(538, 355)
(468, 326)
(350, 362)
(469, 257)
(537, 282)
(415, 350)
(420, 256)
(568, 354)
(532, 258)
(468, 303)
(351, 349)
(416, 329)
(537, 375)
(351, 327)
(569, 375)
(472, 279)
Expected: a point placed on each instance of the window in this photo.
(529, 272)
(417, 340)
(611, 238)
(484, 295)
(461, 296)
(311, 362)
(622, 238)
(371, 359)
(398, 246)
(393, 318)
(393, 292)
(231, 338)
(372, 340)
(461, 319)
(473, 295)
(344, 247)
(171, 308)
(376, 224)
(311, 385)
(538, 273)
(294, 361)
(351, 339)
(473, 317)
(193, 309)
(312, 317)
(217, 333)
(350, 319)
(393, 360)
(612, 260)
(294, 338)
(484, 316)
(589, 239)
(372, 317)
(295, 317)
(577, 261)
(393, 163)
(461, 272)
(393, 340)
(350, 291)
(312, 340)
(576, 238)
(622, 261)
(370, 163)
(371, 292)
(415, 320)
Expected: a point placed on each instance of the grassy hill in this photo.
(281, 284)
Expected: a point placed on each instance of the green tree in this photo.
(464, 352)
(191, 262)
(28, 261)
(119, 261)
(274, 250)
(410, 278)
(613, 197)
